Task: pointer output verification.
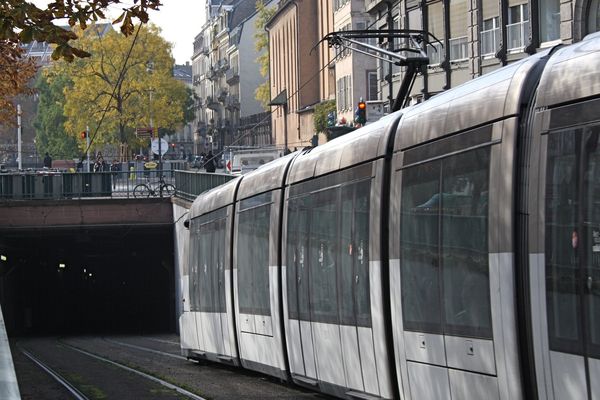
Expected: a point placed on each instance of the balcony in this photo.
(232, 76)
(212, 74)
(212, 103)
(222, 65)
(222, 96)
(232, 102)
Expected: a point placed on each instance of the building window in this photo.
(435, 15)
(594, 17)
(490, 36)
(458, 48)
(518, 27)
(458, 30)
(337, 4)
(549, 20)
(372, 85)
(344, 97)
(341, 52)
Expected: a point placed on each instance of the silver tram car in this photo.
(450, 250)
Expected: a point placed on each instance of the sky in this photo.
(180, 21)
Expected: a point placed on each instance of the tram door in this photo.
(572, 262)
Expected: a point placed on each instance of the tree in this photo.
(321, 115)
(22, 21)
(49, 123)
(263, 92)
(15, 74)
(97, 93)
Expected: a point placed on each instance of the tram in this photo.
(450, 250)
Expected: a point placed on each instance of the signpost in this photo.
(143, 133)
(160, 146)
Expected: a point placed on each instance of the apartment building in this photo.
(356, 73)
(225, 74)
(302, 72)
(479, 36)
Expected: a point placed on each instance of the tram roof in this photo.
(491, 97)
(361, 145)
(568, 67)
(215, 198)
(268, 177)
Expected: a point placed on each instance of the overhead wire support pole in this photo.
(417, 40)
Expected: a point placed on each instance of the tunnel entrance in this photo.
(97, 280)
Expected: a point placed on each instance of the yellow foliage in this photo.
(98, 96)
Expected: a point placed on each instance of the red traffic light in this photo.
(83, 134)
(362, 105)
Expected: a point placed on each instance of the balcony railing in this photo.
(232, 102)
(232, 76)
(516, 35)
(212, 103)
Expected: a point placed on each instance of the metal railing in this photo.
(191, 184)
(48, 185)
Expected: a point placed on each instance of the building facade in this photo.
(225, 74)
(300, 71)
(479, 36)
(355, 73)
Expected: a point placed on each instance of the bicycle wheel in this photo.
(141, 190)
(167, 190)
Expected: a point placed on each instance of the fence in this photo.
(49, 185)
(191, 184)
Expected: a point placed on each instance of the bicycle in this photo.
(154, 189)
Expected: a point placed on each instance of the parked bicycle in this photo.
(159, 188)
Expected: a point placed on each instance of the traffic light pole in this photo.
(87, 146)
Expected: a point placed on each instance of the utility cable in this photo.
(119, 81)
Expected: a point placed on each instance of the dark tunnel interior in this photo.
(88, 281)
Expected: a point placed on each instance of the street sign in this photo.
(144, 133)
(164, 146)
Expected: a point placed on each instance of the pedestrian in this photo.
(100, 164)
(209, 164)
(47, 161)
(115, 167)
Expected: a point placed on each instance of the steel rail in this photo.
(74, 391)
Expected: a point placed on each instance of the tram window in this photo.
(323, 257)
(464, 255)
(444, 256)
(361, 253)
(297, 258)
(221, 265)
(204, 278)
(346, 257)
(193, 267)
(564, 257)
(355, 304)
(419, 248)
(253, 260)
(572, 246)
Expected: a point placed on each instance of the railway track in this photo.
(86, 376)
(132, 367)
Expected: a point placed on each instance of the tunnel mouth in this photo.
(93, 280)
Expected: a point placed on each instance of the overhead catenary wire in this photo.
(119, 81)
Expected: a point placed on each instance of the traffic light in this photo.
(361, 113)
(83, 134)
